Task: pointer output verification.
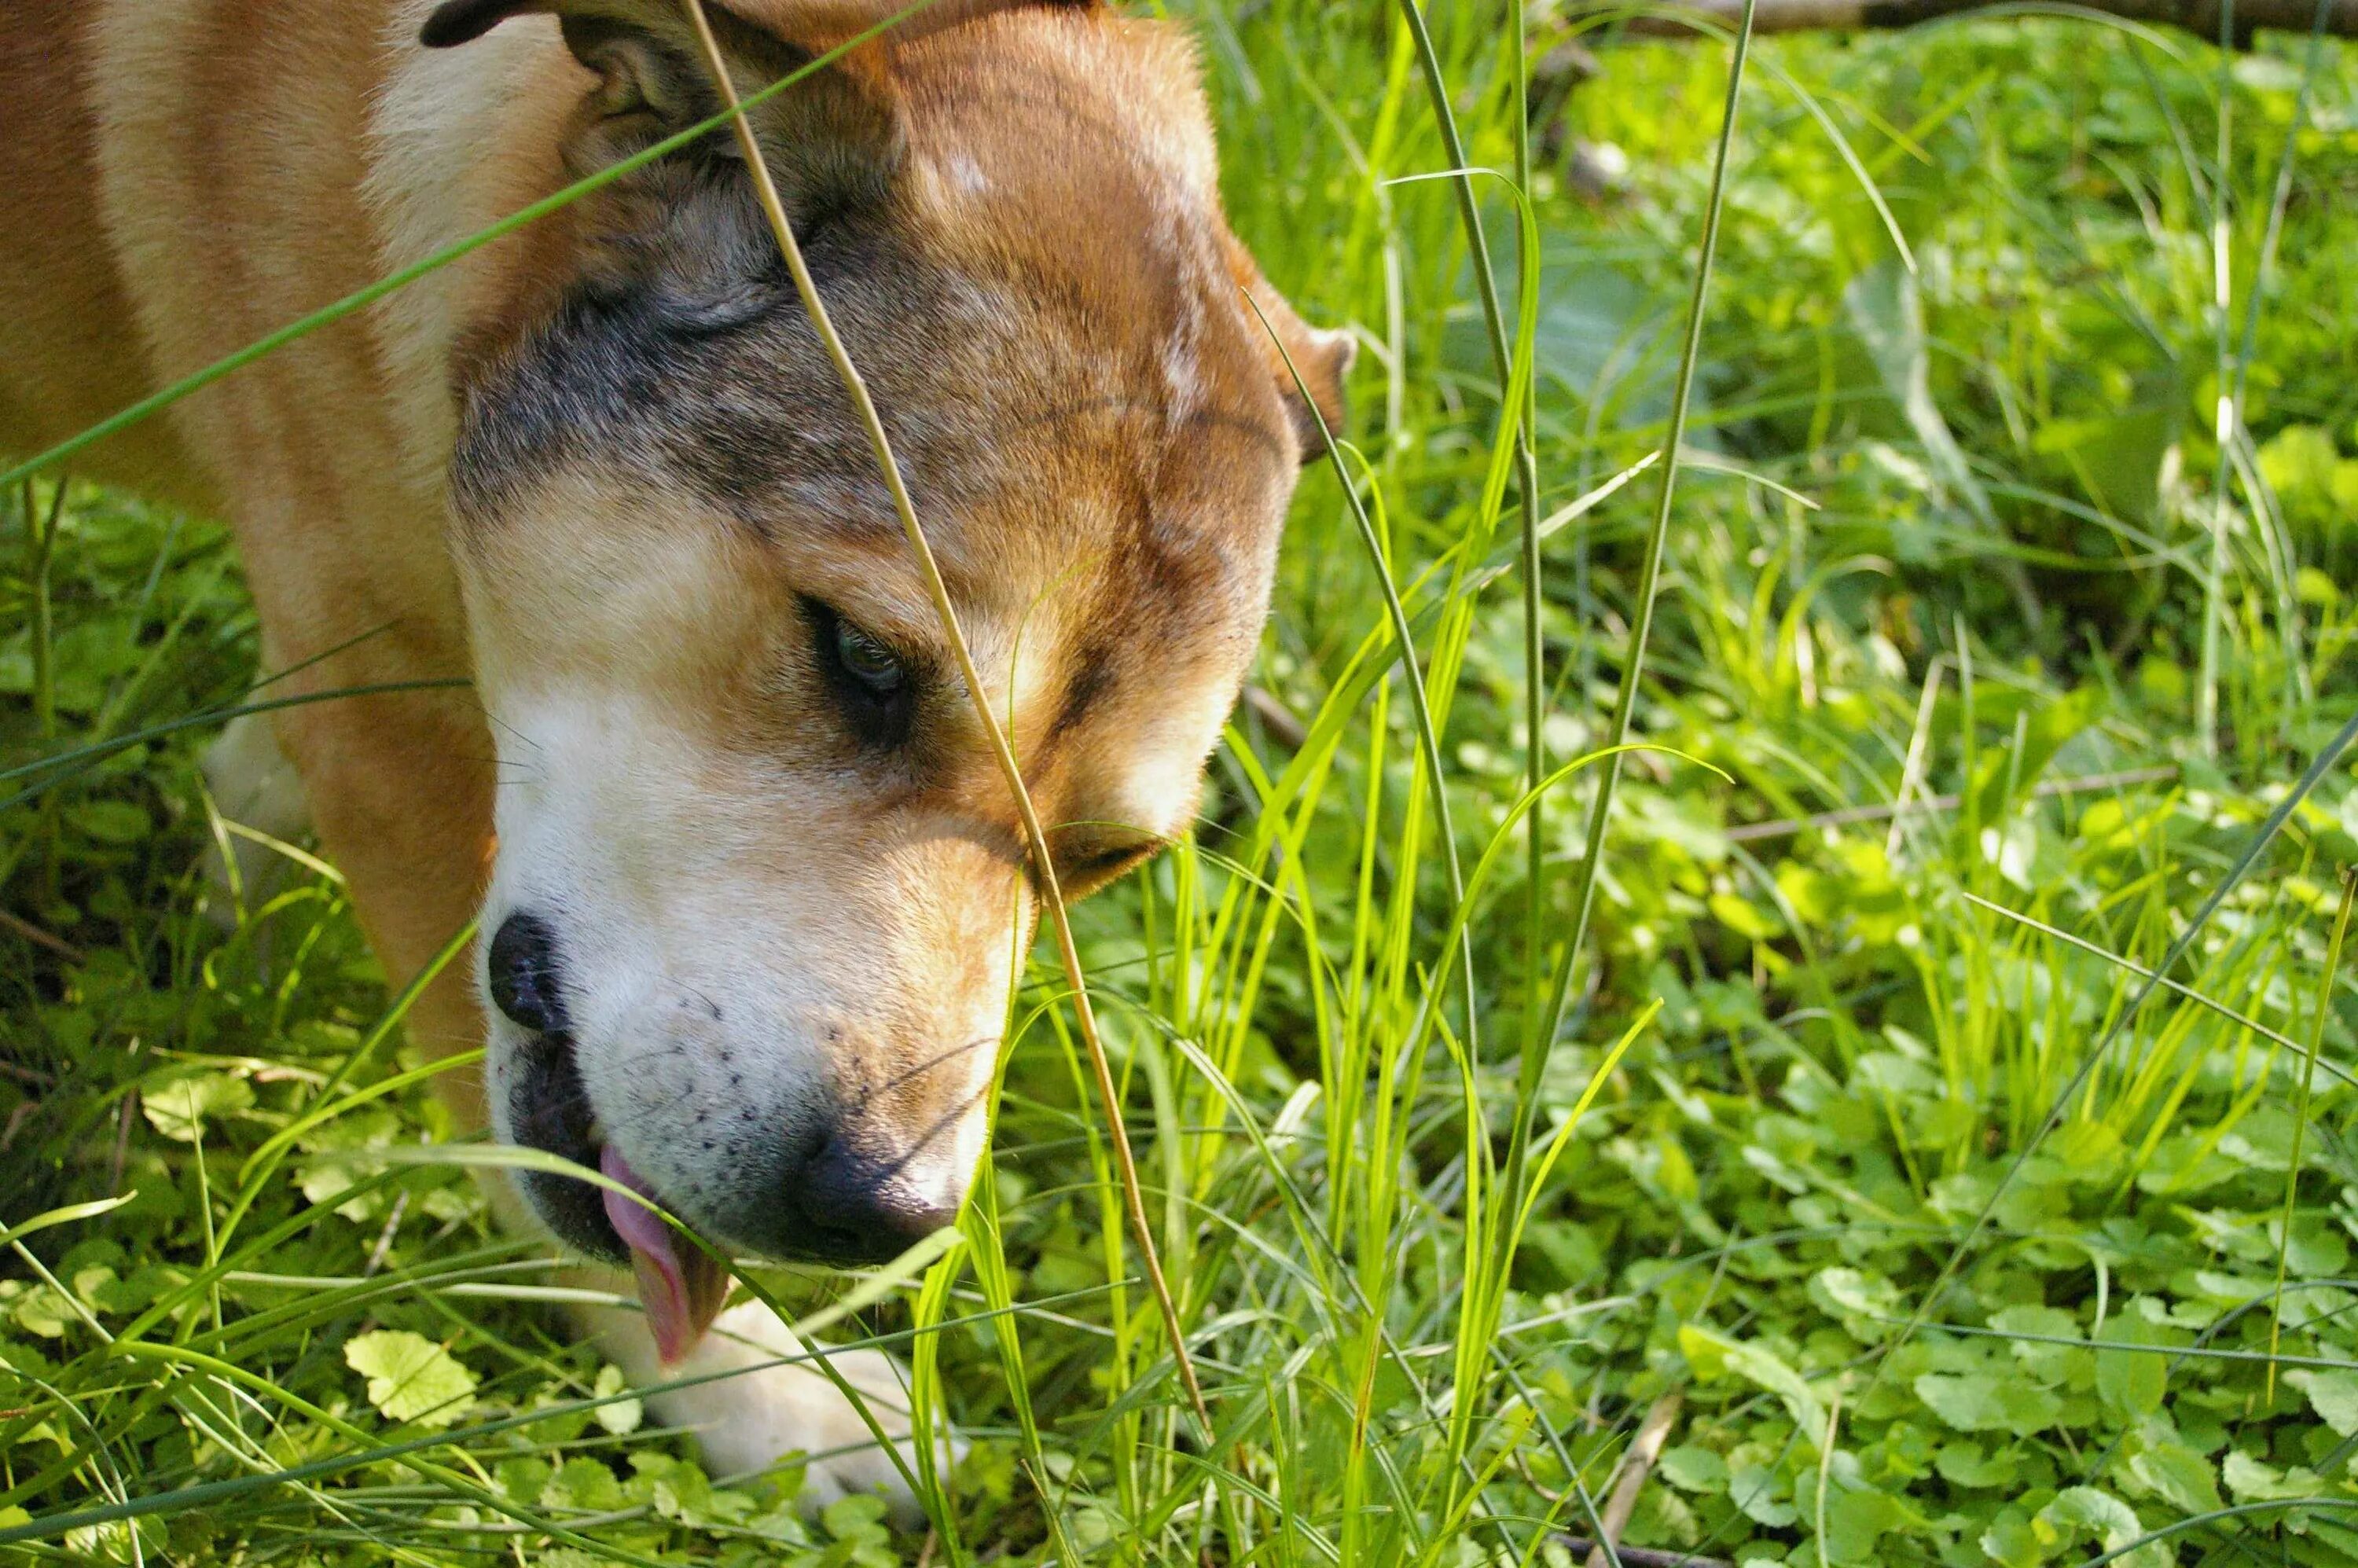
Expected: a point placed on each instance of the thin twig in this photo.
(1645, 1556)
(1636, 1465)
(34, 934)
(16, 1118)
(1044, 866)
(1284, 725)
(383, 1247)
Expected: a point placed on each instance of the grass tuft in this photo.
(1783, 1009)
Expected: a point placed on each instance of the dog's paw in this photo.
(747, 1421)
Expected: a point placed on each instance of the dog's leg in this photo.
(399, 787)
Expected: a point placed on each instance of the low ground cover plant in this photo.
(1916, 1128)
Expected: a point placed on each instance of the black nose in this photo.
(526, 981)
(860, 1209)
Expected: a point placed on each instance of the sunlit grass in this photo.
(1896, 1097)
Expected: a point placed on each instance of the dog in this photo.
(651, 684)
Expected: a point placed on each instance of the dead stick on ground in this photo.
(32, 933)
(1636, 1465)
(1645, 1556)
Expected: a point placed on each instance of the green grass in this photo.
(1865, 1137)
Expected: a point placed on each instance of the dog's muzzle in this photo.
(838, 1204)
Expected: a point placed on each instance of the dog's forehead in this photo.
(1036, 427)
(1091, 435)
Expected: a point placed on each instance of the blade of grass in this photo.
(66, 761)
(1044, 866)
(1651, 570)
(1518, 411)
(2261, 837)
(2325, 984)
(41, 553)
(2177, 988)
(2224, 414)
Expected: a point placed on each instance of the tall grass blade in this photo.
(2330, 754)
(2325, 988)
(1044, 866)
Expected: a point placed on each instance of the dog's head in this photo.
(761, 887)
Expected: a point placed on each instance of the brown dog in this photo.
(759, 891)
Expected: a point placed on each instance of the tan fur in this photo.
(1041, 291)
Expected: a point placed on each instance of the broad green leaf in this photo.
(1867, 1305)
(2333, 1394)
(1964, 1465)
(2250, 1480)
(1694, 1469)
(2086, 1511)
(180, 1106)
(326, 1180)
(1984, 1403)
(2263, 1140)
(623, 1417)
(2012, 1542)
(2178, 1476)
(2048, 1363)
(2128, 1381)
(1715, 1355)
(42, 1310)
(1856, 1519)
(1743, 917)
(585, 1484)
(2317, 1251)
(114, 822)
(410, 1378)
(1761, 1494)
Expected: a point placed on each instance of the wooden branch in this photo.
(32, 933)
(1646, 1556)
(1284, 725)
(2200, 17)
(1636, 1465)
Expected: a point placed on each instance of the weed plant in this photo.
(1868, 1011)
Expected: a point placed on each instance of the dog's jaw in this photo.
(790, 945)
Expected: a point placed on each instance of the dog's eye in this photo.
(873, 684)
(868, 660)
(1084, 869)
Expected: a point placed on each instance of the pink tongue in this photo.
(681, 1296)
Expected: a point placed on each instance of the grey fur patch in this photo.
(718, 384)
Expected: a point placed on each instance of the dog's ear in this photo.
(831, 140)
(1300, 355)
